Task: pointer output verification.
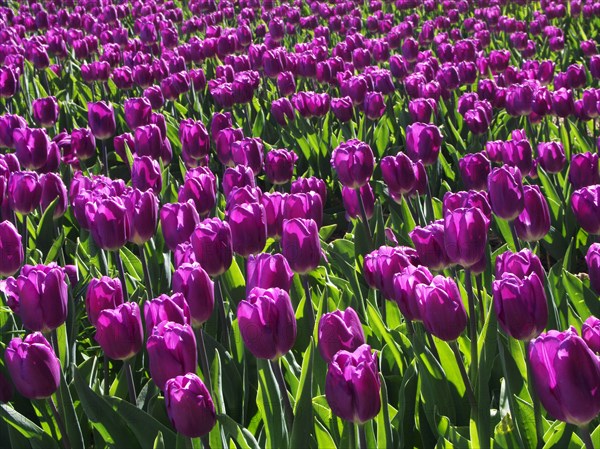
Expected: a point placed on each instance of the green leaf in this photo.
(269, 403)
(37, 437)
(384, 425)
(242, 437)
(67, 412)
(159, 442)
(45, 230)
(584, 300)
(303, 412)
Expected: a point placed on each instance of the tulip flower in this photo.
(238, 176)
(279, 166)
(171, 352)
(45, 111)
(172, 308)
(352, 385)
(521, 264)
(381, 265)
(194, 137)
(342, 108)
(405, 290)
(189, 406)
(585, 203)
(353, 162)
(465, 235)
(83, 143)
(178, 221)
(212, 245)
(301, 245)
(32, 147)
(566, 376)
(474, 171)
(592, 260)
(198, 290)
(248, 228)
(142, 208)
(397, 172)
(590, 332)
(551, 156)
(282, 111)
(423, 142)
(199, 187)
(101, 120)
(267, 322)
(429, 243)
(351, 200)
(312, 184)
(339, 330)
(505, 188)
(137, 112)
(249, 152)
(119, 331)
(103, 293)
(374, 105)
(146, 174)
(442, 309)
(109, 222)
(11, 247)
(533, 223)
(33, 366)
(8, 124)
(268, 271)
(584, 170)
(9, 82)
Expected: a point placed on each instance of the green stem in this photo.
(351, 435)
(205, 441)
(25, 237)
(121, 274)
(365, 220)
(130, 384)
(287, 406)
(515, 237)
(61, 425)
(537, 410)
(146, 272)
(311, 317)
(465, 377)
(479, 282)
(584, 433)
(472, 322)
(104, 158)
(106, 375)
(511, 401)
(203, 358)
(362, 436)
(222, 315)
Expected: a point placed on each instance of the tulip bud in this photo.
(397, 172)
(11, 248)
(267, 322)
(301, 245)
(474, 171)
(109, 223)
(551, 156)
(119, 331)
(101, 120)
(194, 137)
(429, 243)
(585, 203)
(145, 174)
(268, 271)
(311, 184)
(24, 192)
(565, 356)
(9, 82)
(505, 188)
(279, 166)
(32, 147)
(249, 152)
(520, 305)
(143, 215)
(248, 228)
(353, 162)
(212, 244)
(189, 406)
(342, 108)
(282, 111)
(520, 264)
(171, 352)
(83, 143)
(534, 222)
(465, 235)
(237, 177)
(352, 385)
(351, 201)
(45, 111)
(590, 332)
(148, 141)
(8, 124)
(178, 221)
(197, 289)
(442, 309)
(423, 142)
(339, 330)
(172, 308)
(592, 260)
(103, 293)
(33, 366)
(137, 112)
(374, 105)
(405, 290)
(53, 188)
(584, 170)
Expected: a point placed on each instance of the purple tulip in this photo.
(9, 82)
(101, 120)
(109, 223)
(119, 331)
(474, 170)
(178, 221)
(405, 290)
(45, 111)
(11, 247)
(195, 141)
(248, 228)
(200, 187)
(592, 260)
(422, 109)
(397, 172)
(33, 366)
(565, 356)
(198, 290)
(465, 235)
(584, 170)
(137, 112)
(590, 332)
(189, 406)
(339, 330)
(103, 293)
(142, 208)
(442, 309)
(172, 308)
(53, 188)
(342, 108)
(352, 385)
(520, 264)
(423, 142)
(268, 271)
(505, 188)
(551, 156)
(146, 174)
(534, 222)
(353, 162)
(171, 352)
(282, 111)
(301, 245)
(267, 322)
(374, 105)
(279, 166)
(8, 124)
(249, 152)
(429, 243)
(83, 143)
(585, 203)
(32, 147)
(351, 201)
(24, 192)
(148, 141)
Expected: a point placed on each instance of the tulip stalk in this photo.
(146, 271)
(61, 424)
(222, 315)
(306, 286)
(362, 437)
(584, 433)
(515, 237)
(472, 321)
(119, 263)
(203, 358)
(537, 410)
(365, 220)
(130, 384)
(287, 406)
(104, 158)
(465, 377)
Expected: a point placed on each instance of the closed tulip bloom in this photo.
(351, 201)
(353, 162)
(429, 243)
(119, 331)
(142, 208)
(32, 146)
(352, 385)
(563, 103)
(339, 330)
(505, 188)
(198, 290)
(45, 111)
(101, 120)
(301, 245)
(592, 260)
(238, 176)
(178, 221)
(520, 305)
(145, 174)
(83, 143)
(137, 112)
(422, 109)
(171, 352)
(24, 192)
(189, 406)
(590, 332)
(585, 203)
(194, 137)
(148, 141)
(267, 322)
(8, 124)
(279, 166)
(519, 99)
(53, 188)
(249, 152)
(381, 265)
(172, 308)
(311, 184)
(520, 264)
(474, 170)
(11, 247)
(212, 244)
(103, 293)
(551, 156)
(465, 235)
(201, 188)
(282, 111)
(33, 366)
(584, 170)
(342, 108)
(566, 376)
(405, 290)
(286, 84)
(109, 223)
(9, 82)
(397, 172)
(248, 228)
(268, 271)
(442, 309)
(534, 222)
(423, 142)
(374, 105)
(300, 205)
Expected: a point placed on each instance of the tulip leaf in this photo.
(108, 422)
(240, 435)
(159, 442)
(270, 406)
(67, 411)
(303, 412)
(584, 300)
(379, 328)
(37, 437)
(46, 228)
(384, 425)
(323, 437)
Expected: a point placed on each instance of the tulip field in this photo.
(299, 224)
